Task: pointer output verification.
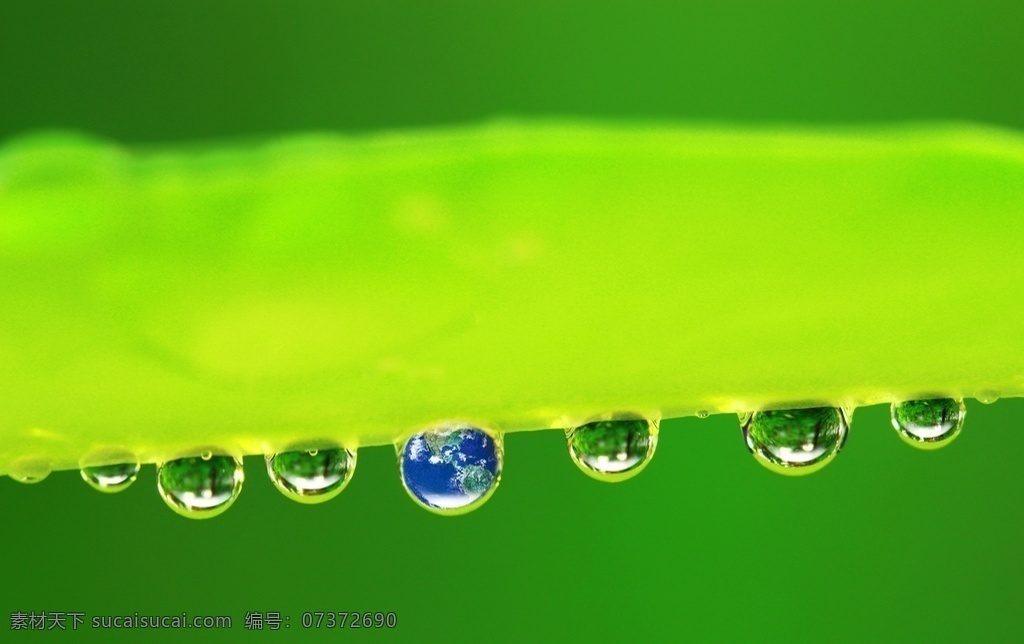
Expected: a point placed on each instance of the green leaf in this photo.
(353, 290)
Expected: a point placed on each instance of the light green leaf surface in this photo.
(324, 288)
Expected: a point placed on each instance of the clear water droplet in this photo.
(111, 478)
(613, 450)
(928, 424)
(451, 470)
(30, 470)
(312, 476)
(987, 397)
(795, 441)
(206, 455)
(703, 413)
(200, 488)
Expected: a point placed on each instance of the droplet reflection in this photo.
(795, 441)
(928, 424)
(111, 478)
(198, 487)
(312, 476)
(613, 450)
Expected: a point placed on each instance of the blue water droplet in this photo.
(451, 470)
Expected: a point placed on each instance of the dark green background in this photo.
(886, 543)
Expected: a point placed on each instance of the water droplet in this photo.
(613, 450)
(928, 424)
(987, 397)
(451, 470)
(703, 413)
(206, 455)
(27, 478)
(312, 476)
(111, 478)
(795, 441)
(200, 488)
(30, 470)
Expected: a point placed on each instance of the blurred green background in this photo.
(887, 543)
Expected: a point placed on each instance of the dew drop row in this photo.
(453, 469)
